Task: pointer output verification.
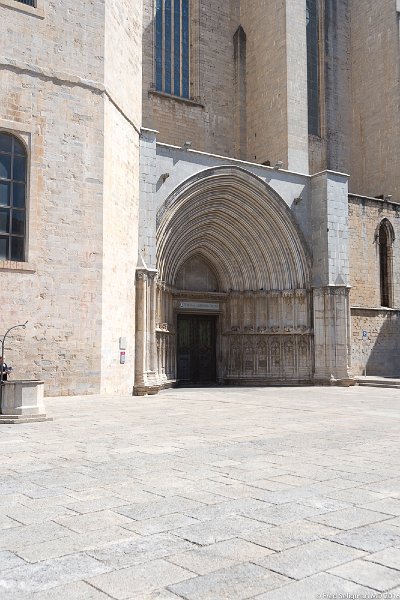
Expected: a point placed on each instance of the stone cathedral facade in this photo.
(199, 191)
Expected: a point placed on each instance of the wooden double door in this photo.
(196, 349)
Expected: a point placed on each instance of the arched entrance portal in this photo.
(233, 287)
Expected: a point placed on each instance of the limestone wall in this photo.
(375, 63)
(265, 27)
(207, 122)
(120, 250)
(62, 37)
(59, 289)
(377, 352)
(365, 215)
(61, 91)
(331, 150)
(121, 191)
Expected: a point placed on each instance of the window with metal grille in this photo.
(172, 47)
(313, 67)
(28, 2)
(13, 170)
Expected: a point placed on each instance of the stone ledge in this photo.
(21, 267)
(381, 309)
(188, 101)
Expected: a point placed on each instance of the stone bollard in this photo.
(22, 402)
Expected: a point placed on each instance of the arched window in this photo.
(172, 47)
(13, 162)
(312, 20)
(385, 239)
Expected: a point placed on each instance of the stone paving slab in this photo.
(370, 538)
(137, 551)
(320, 586)
(50, 573)
(308, 559)
(235, 583)
(375, 576)
(229, 493)
(388, 558)
(351, 517)
(291, 534)
(74, 591)
(75, 542)
(141, 578)
(220, 555)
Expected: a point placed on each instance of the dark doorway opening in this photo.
(196, 349)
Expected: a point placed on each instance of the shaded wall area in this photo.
(377, 352)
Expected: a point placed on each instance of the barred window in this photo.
(13, 169)
(172, 47)
(28, 2)
(313, 66)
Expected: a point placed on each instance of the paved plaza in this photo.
(204, 494)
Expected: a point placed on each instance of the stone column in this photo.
(152, 375)
(145, 382)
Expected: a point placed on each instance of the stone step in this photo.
(13, 419)
(384, 382)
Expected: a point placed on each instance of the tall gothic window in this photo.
(13, 162)
(313, 66)
(172, 47)
(385, 262)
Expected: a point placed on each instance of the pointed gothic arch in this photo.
(240, 225)
(385, 238)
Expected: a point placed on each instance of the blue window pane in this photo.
(18, 147)
(159, 44)
(18, 222)
(4, 220)
(185, 48)
(19, 170)
(5, 166)
(168, 33)
(177, 48)
(17, 248)
(5, 142)
(4, 193)
(3, 247)
(19, 195)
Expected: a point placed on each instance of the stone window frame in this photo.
(24, 133)
(194, 57)
(35, 11)
(14, 153)
(386, 292)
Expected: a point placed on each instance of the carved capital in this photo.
(141, 275)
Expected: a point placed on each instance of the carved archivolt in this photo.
(239, 225)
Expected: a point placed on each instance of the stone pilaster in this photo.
(331, 335)
(332, 331)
